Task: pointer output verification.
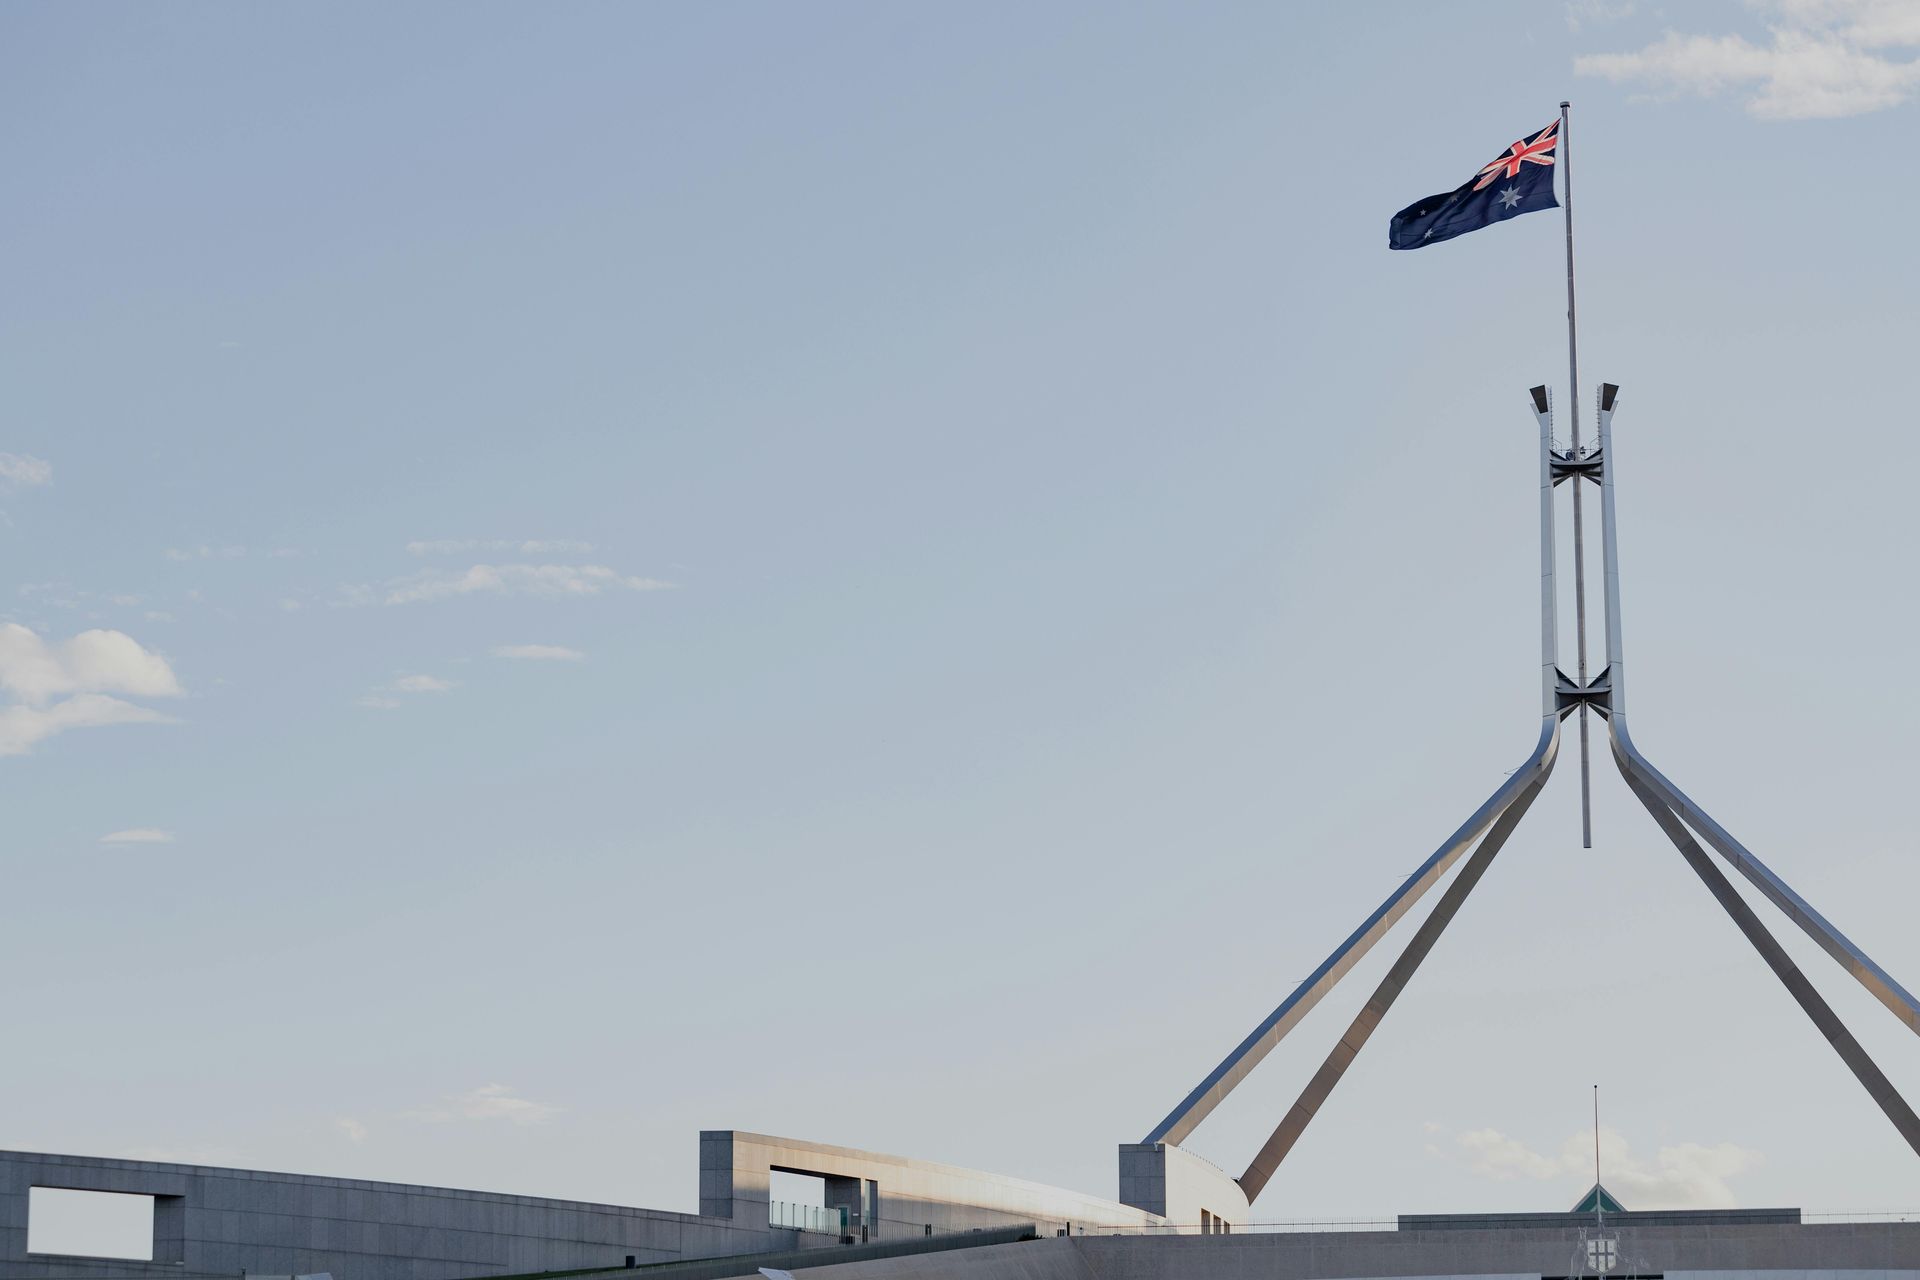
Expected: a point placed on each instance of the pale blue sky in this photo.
(1032, 570)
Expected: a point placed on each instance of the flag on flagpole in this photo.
(1519, 181)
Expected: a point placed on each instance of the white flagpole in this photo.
(1579, 538)
(1599, 1197)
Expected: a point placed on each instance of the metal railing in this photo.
(1195, 1228)
(807, 1217)
(1273, 1225)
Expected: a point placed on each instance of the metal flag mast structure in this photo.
(1579, 527)
(1684, 822)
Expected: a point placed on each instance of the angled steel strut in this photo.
(1492, 823)
(1674, 813)
(1518, 790)
(1638, 770)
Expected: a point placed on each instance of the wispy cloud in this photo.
(1492, 1154)
(138, 835)
(1586, 13)
(1822, 59)
(205, 552)
(1687, 1175)
(23, 471)
(56, 687)
(488, 1102)
(24, 727)
(516, 579)
(526, 547)
(383, 699)
(354, 1131)
(539, 652)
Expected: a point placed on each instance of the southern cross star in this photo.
(1509, 198)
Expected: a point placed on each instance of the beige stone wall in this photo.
(914, 1194)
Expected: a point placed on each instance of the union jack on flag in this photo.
(1519, 180)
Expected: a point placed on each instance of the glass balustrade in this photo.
(807, 1217)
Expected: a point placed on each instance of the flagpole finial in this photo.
(1564, 104)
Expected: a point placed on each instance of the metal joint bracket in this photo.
(1597, 693)
(1590, 466)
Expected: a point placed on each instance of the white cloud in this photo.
(1871, 23)
(378, 701)
(24, 471)
(204, 552)
(138, 835)
(527, 547)
(516, 579)
(21, 727)
(92, 662)
(355, 1131)
(539, 652)
(1492, 1154)
(1823, 59)
(83, 671)
(488, 1102)
(1687, 1175)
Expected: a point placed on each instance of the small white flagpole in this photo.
(1599, 1205)
(1579, 537)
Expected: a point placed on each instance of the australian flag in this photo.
(1520, 181)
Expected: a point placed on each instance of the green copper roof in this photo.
(1599, 1198)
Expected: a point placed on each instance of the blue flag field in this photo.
(1520, 181)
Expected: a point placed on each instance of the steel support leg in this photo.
(1816, 1008)
(1640, 771)
(1235, 1067)
(1777, 891)
(1248, 1054)
(1255, 1179)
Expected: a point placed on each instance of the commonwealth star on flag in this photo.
(1519, 181)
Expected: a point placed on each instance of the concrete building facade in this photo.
(1852, 1251)
(228, 1221)
(231, 1222)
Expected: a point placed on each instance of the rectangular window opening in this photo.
(796, 1188)
(90, 1224)
(800, 1201)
